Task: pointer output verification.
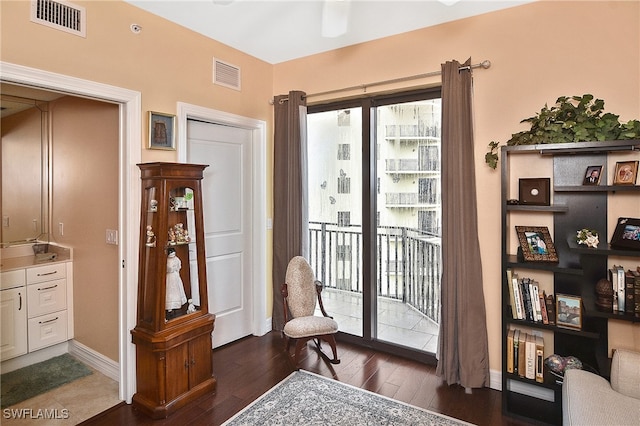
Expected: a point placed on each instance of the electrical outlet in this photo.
(5, 221)
(112, 236)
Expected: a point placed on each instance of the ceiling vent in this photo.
(226, 75)
(60, 15)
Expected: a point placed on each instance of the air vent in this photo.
(60, 15)
(226, 74)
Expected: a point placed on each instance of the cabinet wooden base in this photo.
(173, 366)
(162, 411)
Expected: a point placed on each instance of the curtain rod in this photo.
(484, 64)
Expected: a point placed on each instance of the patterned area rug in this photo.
(305, 398)
(39, 378)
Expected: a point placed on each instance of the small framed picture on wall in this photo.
(626, 173)
(162, 131)
(592, 176)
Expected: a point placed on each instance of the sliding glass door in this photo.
(335, 211)
(375, 218)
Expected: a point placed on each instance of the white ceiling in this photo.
(280, 30)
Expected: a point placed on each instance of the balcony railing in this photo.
(409, 263)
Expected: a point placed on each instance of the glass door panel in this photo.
(335, 212)
(408, 223)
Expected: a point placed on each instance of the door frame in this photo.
(130, 129)
(261, 324)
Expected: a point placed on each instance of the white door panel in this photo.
(227, 198)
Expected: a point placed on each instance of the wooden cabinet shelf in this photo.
(173, 332)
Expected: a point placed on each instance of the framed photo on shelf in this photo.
(626, 173)
(534, 191)
(626, 234)
(592, 176)
(162, 131)
(568, 311)
(536, 244)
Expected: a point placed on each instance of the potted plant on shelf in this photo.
(571, 119)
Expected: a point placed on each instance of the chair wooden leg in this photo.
(331, 340)
(300, 343)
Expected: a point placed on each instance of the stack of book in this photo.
(528, 302)
(525, 355)
(626, 289)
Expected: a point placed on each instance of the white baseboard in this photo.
(97, 361)
(495, 380)
(264, 328)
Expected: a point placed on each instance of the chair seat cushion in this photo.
(310, 326)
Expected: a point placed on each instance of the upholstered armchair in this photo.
(300, 292)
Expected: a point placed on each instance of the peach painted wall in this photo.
(538, 51)
(85, 150)
(165, 62)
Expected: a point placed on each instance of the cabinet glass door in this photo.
(182, 294)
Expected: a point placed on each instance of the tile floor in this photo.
(72, 403)
(397, 322)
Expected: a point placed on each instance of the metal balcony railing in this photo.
(409, 263)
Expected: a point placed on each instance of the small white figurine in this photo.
(176, 296)
(151, 237)
(191, 308)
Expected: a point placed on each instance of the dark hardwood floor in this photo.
(248, 368)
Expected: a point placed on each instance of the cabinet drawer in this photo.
(44, 298)
(12, 279)
(47, 330)
(46, 273)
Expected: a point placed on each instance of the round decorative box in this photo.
(604, 296)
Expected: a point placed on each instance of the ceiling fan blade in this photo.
(335, 17)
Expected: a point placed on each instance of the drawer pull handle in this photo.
(20, 303)
(48, 288)
(48, 321)
(47, 273)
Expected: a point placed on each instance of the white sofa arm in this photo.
(589, 400)
(625, 373)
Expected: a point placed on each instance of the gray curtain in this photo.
(289, 221)
(463, 356)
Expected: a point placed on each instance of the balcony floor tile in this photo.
(399, 323)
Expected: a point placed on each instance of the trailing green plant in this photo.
(571, 119)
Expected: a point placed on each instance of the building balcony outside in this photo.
(407, 280)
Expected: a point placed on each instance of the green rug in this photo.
(30, 381)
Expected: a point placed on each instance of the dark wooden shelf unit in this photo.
(573, 207)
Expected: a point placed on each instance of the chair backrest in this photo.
(301, 288)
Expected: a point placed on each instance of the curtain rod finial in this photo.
(485, 64)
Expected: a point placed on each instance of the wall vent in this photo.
(225, 74)
(60, 15)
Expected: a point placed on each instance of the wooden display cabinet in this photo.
(173, 330)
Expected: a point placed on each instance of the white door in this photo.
(227, 197)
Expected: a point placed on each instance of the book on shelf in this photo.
(535, 300)
(522, 354)
(543, 307)
(516, 350)
(616, 276)
(512, 299)
(629, 292)
(526, 297)
(621, 296)
(539, 359)
(530, 357)
(636, 289)
(551, 308)
(517, 297)
(510, 348)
